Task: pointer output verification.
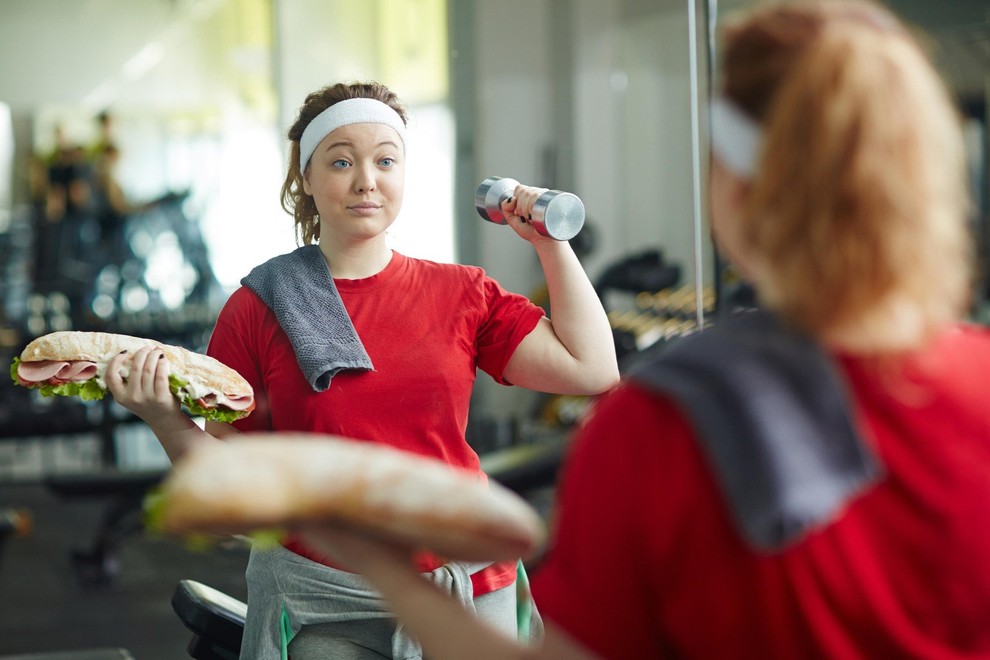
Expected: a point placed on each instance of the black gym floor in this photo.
(67, 587)
(50, 604)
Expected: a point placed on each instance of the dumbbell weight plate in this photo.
(490, 195)
(558, 214)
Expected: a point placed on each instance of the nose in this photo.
(364, 178)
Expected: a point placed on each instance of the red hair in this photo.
(856, 222)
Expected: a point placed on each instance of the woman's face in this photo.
(356, 177)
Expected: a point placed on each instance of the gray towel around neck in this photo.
(299, 289)
(771, 412)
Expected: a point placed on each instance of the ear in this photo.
(305, 177)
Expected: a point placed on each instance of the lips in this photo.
(365, 210)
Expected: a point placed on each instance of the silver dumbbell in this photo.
(556, 214)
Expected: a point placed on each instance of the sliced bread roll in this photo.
(71, 358)
(266, 480)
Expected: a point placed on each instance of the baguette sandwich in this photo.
(266, 481)
(72, 363)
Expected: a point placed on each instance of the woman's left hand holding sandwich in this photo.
(139, 382)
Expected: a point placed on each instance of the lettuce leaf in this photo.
(88, 390)
(155, 505)
(176, 385)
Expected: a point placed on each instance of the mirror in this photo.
(606, 99)
(199, 93)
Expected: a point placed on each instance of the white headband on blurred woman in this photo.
(342, 113)
(735, 137)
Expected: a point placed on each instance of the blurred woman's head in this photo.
(851, 221)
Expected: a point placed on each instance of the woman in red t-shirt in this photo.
(346, 337)
(838, 189)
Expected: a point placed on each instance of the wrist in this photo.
(549, 247)
(171, 423)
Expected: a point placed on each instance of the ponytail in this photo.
(856, 221)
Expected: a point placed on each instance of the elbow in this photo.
(609, 380)
(601, 379)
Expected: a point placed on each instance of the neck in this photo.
(356, 261)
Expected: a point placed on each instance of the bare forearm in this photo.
(439, 623)
(178, 434)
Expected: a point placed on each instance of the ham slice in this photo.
(77, 371)
(235, 402)
(232, 401)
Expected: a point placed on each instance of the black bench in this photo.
(126, 490)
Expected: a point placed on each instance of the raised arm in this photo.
(572, 352)
(145, 392)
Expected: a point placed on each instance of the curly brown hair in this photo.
(294, 199)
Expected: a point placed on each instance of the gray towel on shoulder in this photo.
(299, 289)
(772, 414)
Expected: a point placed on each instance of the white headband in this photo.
(342, 113)
(735, 137)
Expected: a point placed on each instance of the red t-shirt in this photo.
(426, 326)
(647, 563)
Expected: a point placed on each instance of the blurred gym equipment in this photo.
(13, 523)
(156, 281)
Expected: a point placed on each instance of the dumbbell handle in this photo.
(556, 214)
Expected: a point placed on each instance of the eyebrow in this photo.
(348, 143)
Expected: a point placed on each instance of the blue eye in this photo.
(340, 164)
(387, 162)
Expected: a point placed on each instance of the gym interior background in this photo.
(603, 98)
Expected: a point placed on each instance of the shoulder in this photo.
(243, 298)
(958, 353)
(965, 340)
(954, 365)
(244, 306)
(451, 283)
(442, 270)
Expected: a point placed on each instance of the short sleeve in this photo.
(234, 342)
(506, 320)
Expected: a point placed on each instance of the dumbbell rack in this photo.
(662, 315)
(650, 319)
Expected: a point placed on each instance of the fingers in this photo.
(525, 198)
(518, 209)
(145, 378)
(162, 371)
(114, 376)
(144, 367)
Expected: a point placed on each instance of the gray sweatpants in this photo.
(313, 611)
